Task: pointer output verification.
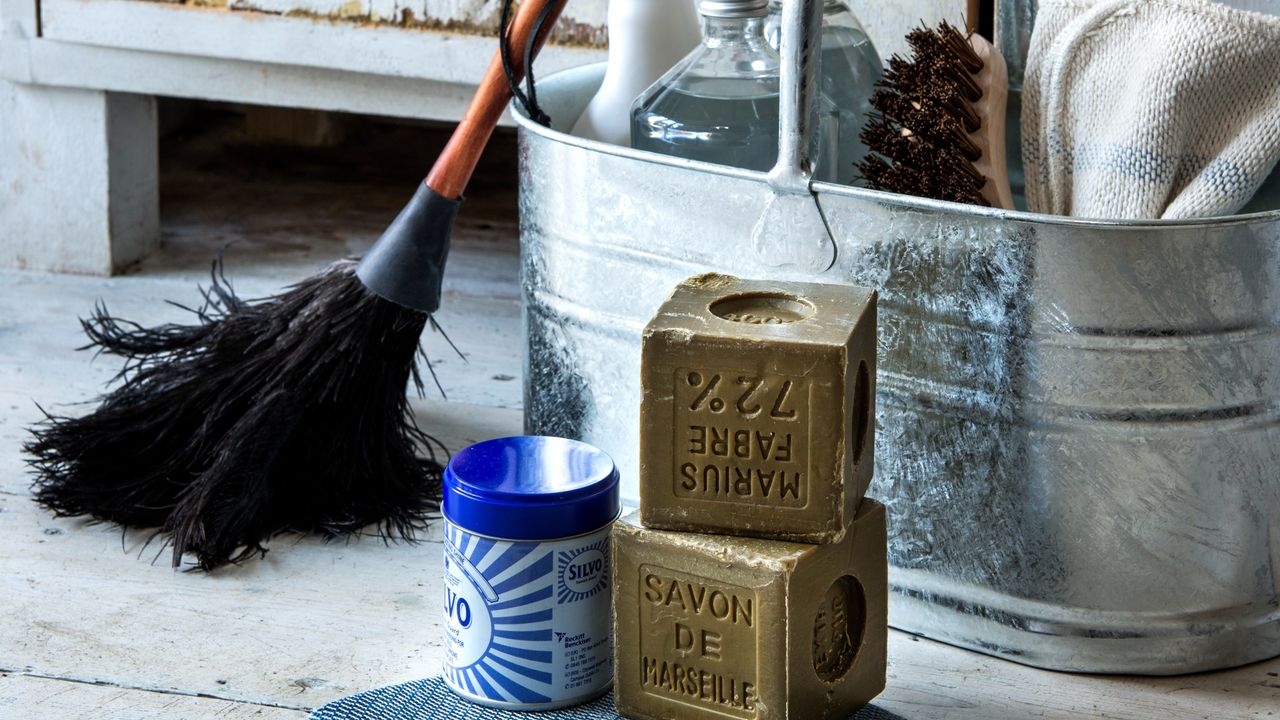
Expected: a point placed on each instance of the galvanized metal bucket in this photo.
(1077, 424)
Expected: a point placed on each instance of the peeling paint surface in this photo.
(583, 22)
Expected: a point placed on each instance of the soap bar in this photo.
(714, 626)
(758, 408)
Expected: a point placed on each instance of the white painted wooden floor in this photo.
(90, 627)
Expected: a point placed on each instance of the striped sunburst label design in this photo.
(527, 622)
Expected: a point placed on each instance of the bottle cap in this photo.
(734, 8)
(531, 488)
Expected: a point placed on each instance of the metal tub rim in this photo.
(908, 202)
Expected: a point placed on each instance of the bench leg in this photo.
(79, 183)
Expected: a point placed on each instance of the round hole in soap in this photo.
(837, 628)
(763, 308)
(862, 411)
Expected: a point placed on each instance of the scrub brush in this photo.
(938, 126)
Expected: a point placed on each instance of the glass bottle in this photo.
(646, 38)
(851, 68)
(719, 104)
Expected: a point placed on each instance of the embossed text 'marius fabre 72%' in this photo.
(742, 438)
(758, 399)
(714, 626)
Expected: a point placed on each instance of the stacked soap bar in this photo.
(757, 408)
(711, 626)
(753, 582)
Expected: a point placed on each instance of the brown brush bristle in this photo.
(919, 134)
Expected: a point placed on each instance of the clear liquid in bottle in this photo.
(720, 104)
(851, 67)
(712, 120)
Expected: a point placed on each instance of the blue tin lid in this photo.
(531, 488)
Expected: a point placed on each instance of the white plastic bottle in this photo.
(646, 38)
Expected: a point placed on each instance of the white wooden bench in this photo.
(78, 80)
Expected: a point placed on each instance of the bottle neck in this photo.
(721, 32)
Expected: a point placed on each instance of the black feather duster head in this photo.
(251, 422)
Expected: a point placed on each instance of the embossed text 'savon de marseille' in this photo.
(713, 626)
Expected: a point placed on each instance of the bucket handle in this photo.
(798, 85)
(792, 234)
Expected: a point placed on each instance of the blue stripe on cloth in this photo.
(433, 700)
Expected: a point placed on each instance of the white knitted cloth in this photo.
(1149, 108)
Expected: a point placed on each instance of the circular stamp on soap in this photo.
(763, 308)
(837, 628)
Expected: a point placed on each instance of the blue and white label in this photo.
(528, 623)
(582, 572)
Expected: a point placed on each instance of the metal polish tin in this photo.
(527, 572)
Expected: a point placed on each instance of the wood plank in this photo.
(32, 698)
(582, 21)
(175, 50)
(311, 623)
(20, 18)
(486, 330)
(283, 40)
(61, 64)
(930, 680)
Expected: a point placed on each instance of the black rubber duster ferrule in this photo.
(406, 265)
